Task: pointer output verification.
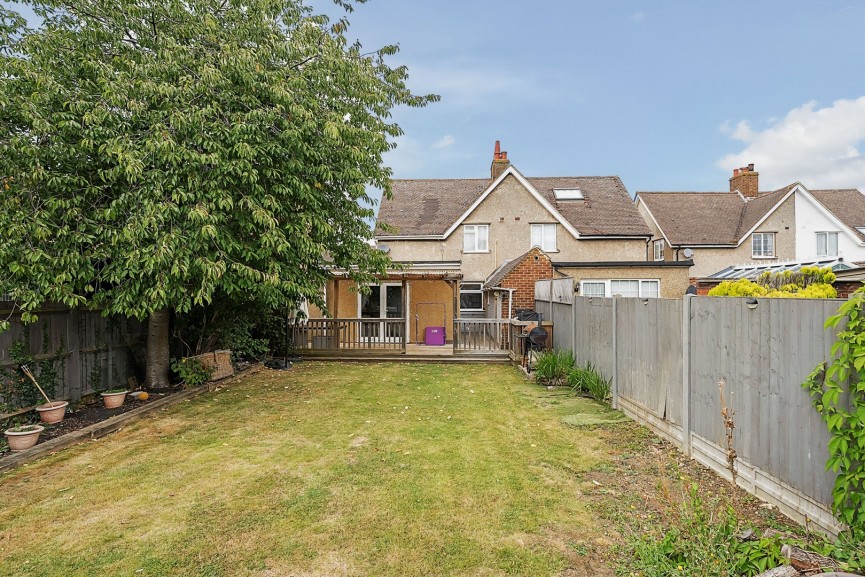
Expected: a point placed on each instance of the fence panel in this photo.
(649, 350)
(764, 354)
(593, 341)
(91, 351)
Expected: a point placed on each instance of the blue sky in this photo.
(669, 95)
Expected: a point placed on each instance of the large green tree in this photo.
(154, 152)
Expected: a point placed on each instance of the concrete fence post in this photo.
(686, 374)
(614, 388)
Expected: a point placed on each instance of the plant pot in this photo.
(21, 440)
(52, 412)
(113, 400)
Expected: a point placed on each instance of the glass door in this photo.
(383, 302)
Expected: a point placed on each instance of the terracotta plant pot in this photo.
(52, 412)
(21, 440)
(113, 400)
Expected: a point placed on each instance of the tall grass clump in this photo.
(553, 366)
(589, 381)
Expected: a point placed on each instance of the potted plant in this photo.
(113, 398)
(52, 411)
(23, 436)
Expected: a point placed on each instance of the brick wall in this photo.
(846, 288)
(535, 266)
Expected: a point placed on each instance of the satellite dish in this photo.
(384, 248)
(688, 253)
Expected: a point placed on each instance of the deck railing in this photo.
(350, 335)
(482, 335)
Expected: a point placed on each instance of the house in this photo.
(742, 226)
(473, 248)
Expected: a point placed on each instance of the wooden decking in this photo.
(414, 353)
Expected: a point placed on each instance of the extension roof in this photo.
(433, 208)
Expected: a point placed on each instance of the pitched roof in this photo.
(695, 218)
(431, 207)
(848, 206)
(498, 275)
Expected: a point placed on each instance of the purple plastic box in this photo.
(435, 336)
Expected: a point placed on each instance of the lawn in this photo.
(329, 470)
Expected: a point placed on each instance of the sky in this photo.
(668, 95)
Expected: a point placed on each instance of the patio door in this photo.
(384, 301)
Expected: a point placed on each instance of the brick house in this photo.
(745, 226)
(473, 248)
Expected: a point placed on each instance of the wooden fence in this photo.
(666, 357)
(91, 351)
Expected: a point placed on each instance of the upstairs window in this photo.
(827, 244)
(544, 236)
(658, 247)
(763, 245)
(471, 297)
(476, 238)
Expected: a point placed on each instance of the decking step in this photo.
(451, 359)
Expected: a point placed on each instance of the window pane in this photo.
(625, 288)
(833, 244)
(649, 289)
(483, 232)
(471, 301)
(549, 237)
(594, 289)
(469, 239)
(536, 235)
(769, 242)
(821, 244)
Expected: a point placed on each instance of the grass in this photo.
(327, 469)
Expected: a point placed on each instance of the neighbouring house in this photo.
(722, 229)
(473, 248)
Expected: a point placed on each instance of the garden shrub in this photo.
(807, 282)
(191, 371)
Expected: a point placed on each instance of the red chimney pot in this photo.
(498, 151)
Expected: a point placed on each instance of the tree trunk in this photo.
(157, 350)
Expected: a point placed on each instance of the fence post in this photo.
(614, 388)
(686, 374)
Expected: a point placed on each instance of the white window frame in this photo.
(542, 231)
(658, 249)
(827, 249)
(762, 252)
(642, 287)
(481, 241)
(468, 288)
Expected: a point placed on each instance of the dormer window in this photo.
(568, 193)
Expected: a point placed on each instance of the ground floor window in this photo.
(621, 287)
(471, 297)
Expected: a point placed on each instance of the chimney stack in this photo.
(745, 181)
(500, 162)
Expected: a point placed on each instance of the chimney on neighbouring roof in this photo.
(745, 181)
(500, 162)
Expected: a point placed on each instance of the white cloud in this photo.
(444, 142)
(819, 147)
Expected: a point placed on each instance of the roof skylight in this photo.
(568, 193)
